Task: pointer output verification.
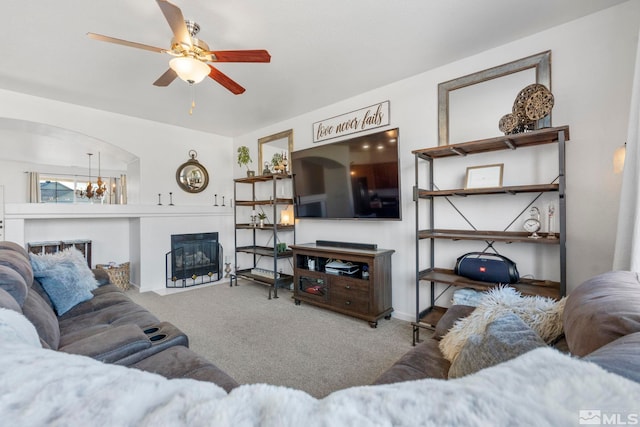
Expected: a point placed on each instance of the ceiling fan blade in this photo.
(225, 81)
(125, 42)
(166, 79)
(241, 56)
(174, 17)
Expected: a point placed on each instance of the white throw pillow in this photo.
(543, 315)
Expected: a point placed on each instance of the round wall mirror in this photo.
(191, 176)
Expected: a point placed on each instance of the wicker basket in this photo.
(118, 275)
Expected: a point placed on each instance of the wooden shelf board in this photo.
(526, 139)
(284, 279)
(532, 287)
(264, 251)
(514, 189)
(270, 227)
(495, 236)
(262, 178)
(278, 201)
(430, 317)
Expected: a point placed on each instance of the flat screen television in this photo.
(357, 178)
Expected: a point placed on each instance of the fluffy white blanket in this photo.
(42, 387)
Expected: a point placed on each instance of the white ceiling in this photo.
(322, 51)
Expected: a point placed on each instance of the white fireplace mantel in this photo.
(59, 211)
(140, 234)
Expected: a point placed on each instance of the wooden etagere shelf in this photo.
(493, 236)
(507, 142)
(433, 275)
(538, 188)
(271, 231)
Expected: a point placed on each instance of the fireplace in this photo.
(194, 259)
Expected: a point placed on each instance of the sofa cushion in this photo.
(423, 361)
(180, 362)
(8, 301)
(505, 338)
(99, 301)
(19, 263)
(102, 277)
(111, 344)
(620, 357)
(43, 318)
(12, 246)
(117, 314)
(13, 283)
(452, 315)
(601, 310)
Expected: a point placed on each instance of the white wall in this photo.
(592, 64)
(161, 149)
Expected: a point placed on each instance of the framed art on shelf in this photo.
(489, 176)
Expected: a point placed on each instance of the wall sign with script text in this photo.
(371, 117)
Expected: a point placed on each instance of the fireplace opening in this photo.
(194, 259)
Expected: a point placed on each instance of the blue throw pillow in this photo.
(65, 277)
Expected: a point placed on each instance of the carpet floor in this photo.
(257, 340)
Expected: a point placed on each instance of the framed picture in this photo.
(489, 176)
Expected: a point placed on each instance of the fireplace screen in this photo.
(194, 259)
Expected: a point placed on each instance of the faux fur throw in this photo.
(543, 315)
(16, 329)
(40, 387)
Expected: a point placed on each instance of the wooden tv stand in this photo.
(350, 294)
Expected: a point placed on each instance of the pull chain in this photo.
(193, 98)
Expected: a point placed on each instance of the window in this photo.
(57, 191)
(72, 188)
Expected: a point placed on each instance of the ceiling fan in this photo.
(191, 55)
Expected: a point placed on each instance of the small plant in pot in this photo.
(244, 158)
(276, 162)
(262, 216)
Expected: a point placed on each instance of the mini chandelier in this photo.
(189, 69)
(91, 192)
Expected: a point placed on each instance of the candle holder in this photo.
(550, 212)
(159, 199)
(170, 198)
(227, 269)
(215, 200)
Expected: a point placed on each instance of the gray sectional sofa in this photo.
(108, 327)
(601, 322)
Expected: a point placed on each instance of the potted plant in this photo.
(244, 158)
(276, 162)
(262, 216)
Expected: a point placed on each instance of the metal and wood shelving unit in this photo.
(432, 275)
(271, 232)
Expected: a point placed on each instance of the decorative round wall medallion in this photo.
(191, 176)
(508, 123)
(539, 104)
(532, 103)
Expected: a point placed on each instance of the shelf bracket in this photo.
(457, 151)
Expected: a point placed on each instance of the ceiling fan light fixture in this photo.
(189, 69)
